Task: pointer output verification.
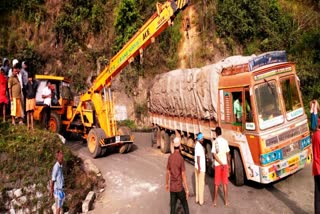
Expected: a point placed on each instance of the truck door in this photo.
(232, 108)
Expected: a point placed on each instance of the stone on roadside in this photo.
(17, 193)
(30, 188)
(63, 140)
(10, 194)
(87, 204)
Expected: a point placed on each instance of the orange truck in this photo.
(269, 137)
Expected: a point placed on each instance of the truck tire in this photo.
(191, 145)
(184, 142)
(237, 168)
(55, 122)
(154, 136)
(165, 142)
(172, 136)
(93, 141)
(158, 138)
(209, 160)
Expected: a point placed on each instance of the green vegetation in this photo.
(28, 159)
(260, 22)
(69, 37)
(128, 123)
(127, 22)
(77, 19)
(266, 25)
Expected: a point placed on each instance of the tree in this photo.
(127, 22)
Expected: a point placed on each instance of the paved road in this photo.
(135, 183)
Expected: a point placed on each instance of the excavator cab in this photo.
(61, 102)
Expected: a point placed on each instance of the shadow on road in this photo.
(285, 199)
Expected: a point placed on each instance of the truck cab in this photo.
(272, 137)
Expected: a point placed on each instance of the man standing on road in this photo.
(57, 182)
(178, 181)
(220, 151)
(316, 168)
(200, 169)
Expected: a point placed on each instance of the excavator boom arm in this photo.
(147, 33)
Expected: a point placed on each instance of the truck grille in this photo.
(287, 135)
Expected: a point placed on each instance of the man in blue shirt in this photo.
(57, 182)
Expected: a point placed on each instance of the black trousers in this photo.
(46, 116)
(174, 196)
(317, 194)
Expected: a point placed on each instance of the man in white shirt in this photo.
(221, 153)
(46, 96)
(200, 168)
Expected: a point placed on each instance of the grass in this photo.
(27, 158)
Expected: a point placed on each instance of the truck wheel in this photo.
(158, 138)
(237, 168)
(154, 136)
(191, 145)
(172, 136)
(93, 141)
(55, 123)
(209, 162)
(184, 142)
(165, 142)
(123, 149)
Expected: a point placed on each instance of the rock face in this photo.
(18, 199)
(190, 92)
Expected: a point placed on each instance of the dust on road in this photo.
(135, 183)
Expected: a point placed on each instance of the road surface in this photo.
(135, 183)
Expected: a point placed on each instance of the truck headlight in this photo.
(271, 157)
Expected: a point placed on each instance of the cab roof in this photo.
(51, 77)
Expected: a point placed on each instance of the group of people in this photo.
(18, 92)
(176, 181)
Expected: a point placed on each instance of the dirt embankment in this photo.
(26, 161)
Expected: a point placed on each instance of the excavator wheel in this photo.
(123, 130)
(129, 147)
(93, 141)
(55, 123)
(123, 149)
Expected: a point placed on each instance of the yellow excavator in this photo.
(93, 117)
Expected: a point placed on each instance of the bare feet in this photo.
(226, 203)
(214, 203)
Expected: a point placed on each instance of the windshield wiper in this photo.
(269, 86)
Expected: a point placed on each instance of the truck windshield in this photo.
(267, 100)
(291, 97)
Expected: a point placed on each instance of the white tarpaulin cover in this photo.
(190, 92)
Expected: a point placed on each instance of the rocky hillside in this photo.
(26, 161)
(77, 38)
